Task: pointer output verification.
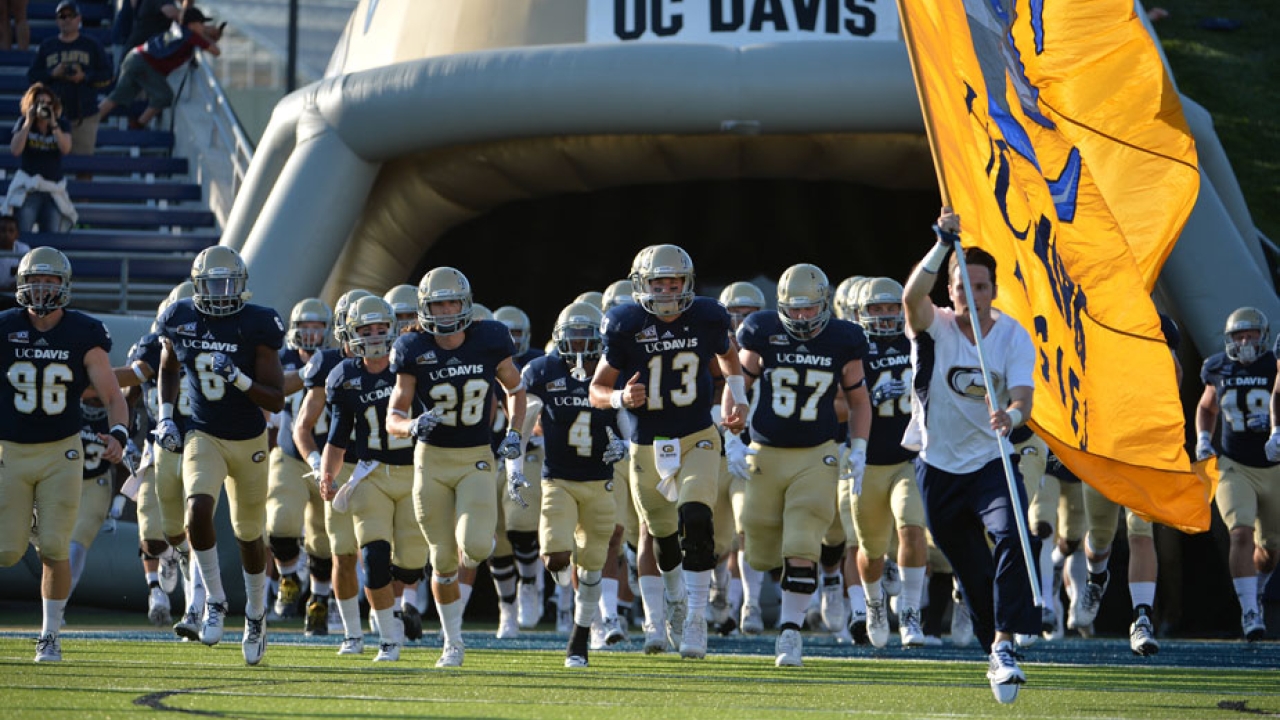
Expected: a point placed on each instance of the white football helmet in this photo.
(592, 297)
(663, 261)
(517, 323)
(1246, 318)
(618, 293)
(840, 298)
(366, 312)
(220, 278)
(310, 310)
(881, 291)
(741, 295)
(340, 309)
(800, 288)
(404, 300)
(578, 323)
(480, 311)
(43, 297)
(443, 284)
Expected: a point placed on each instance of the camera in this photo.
(44, 111)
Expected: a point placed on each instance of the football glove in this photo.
(117, 507)
(167, 435)
(509, 449)
(616, 449)
(735, 455)
(1273, 446)
(224, 366)
(132, 457)
(1258, 422)
(884, 392)
(516, 482)
(1204, 446)
(424, 424)
(853, 462)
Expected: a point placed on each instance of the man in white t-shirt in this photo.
(960, 439)
(9, 243)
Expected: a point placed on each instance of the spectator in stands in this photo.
(152, 17)
(17, 11)
(148, 66)
(76, 67)
(38, 191)
(9, 243)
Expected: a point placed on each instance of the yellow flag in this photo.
(1061, 143)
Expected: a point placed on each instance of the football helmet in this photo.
(1246, 318)
(618, 293)
(579, 323)
(443, 284)
(880, 291)
(340, 309)
(43, 297)
(592, 297)
(840, 298)
(404, 300)
(663, 261)
(801, 287)
(517, 323)
(184, 289)
(91, 412)
(220, 278)
(310, 310)
(480, 312)
(364, 312)
(741, 295)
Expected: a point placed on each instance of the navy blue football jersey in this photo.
(216, 407)
(358, 400)
(573, 431)
(291, 359)
(456, 382)
(674, 361)
(1053, 466)
(533, 353)
(94, 447)
(886, 362)
(795, 405)
(314, 374)
(45, 374)
(147, 349)
(1244, 393)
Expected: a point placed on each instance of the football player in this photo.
(1238, 388)
(96, 497)
(51, 356)
(889, 496)
(449, 367)
(295, 510)
(381, 496)
(578, 509)
(404, 300)
(802, 358)
(661, 350)
(310, 432)
(230, 351)
(618, 293)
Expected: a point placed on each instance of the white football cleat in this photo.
(188, 628)
(48, 648)
(1142, 637)
(676, 613)
(877, 623)
(452, 656)
(575, 661)
(693, 641)
(1088, 606)
(787, 649)
(158, 608)
(215, 614)
(351, 646)
(508, 624)
(1004, 674)
(835, 615)
(909, 628)
(655, 639)
(891, 578)
(528, 605)
(254, 642)
(388, 652)
(752, 620)
(170, 570)
(613, 632)
(1252, 625)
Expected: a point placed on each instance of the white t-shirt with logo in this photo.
(950, 424)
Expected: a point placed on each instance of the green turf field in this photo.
(103, 677)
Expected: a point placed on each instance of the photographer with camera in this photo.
(38, 190)
(76, 67)
(148, 66)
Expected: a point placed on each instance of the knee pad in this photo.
(446, 579)
(321, 568)
(698, 538)
(590, 577)
(408, 577)
(1043, 530)
(502, 568)
(798, 579)
(286, 549)
(524, 544)
(377, 564)
(667, 552)
(832, 554)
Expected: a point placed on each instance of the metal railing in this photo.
(210, 135)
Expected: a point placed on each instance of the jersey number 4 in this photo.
(34, 389)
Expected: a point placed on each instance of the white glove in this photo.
(167, 435)
(132, 457)
(424, 424)
(853, 463)
(313, 459)
(735, 455)
(616, 450)
(117, 507)
(1273, 445)
(516, 482)
(509, 449)
(1204, 446)
(884, 392)
(1258, 422)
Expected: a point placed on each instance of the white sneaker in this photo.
(595, 640)
(170, 571)
(388, 652)
(575, 661)
(961, 622)
(752, 620)
(1092, 601)
(891, 578)
(188, 628)
(877, 623)
(452, 656)
(508, 625)
(693, 642)
(158, 608)
(48, 648)
(1024, 641)
(613, 632)
(1004, 674)
(1050, 624)
(835, 614)
(1142, 637)
(787, 649)
(351, 646)
(564, 621)
(254, 643)
(215, 614)
(655, 638)
(909, 628)
(676, 613)
(1252, 626)
(528, 605)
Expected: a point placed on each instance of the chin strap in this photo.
(579, 371)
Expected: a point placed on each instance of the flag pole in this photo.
(1024, 540)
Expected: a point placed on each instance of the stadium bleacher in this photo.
(142, 217)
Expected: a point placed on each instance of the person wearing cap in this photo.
(150, 18)
(76, 67)
(148, 66)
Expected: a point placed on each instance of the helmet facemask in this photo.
(220, 292)
(1246, 350)
(44, 296)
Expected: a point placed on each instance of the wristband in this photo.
(615, 400)
(512, 391)
(1015, 417)
(397, 412)
(1275, 432)
(166, 411)
(737, 388)
(242, 382)
(120, 433)
(1205, 437)
(857, 443)
(137, 370)
(932, 262)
